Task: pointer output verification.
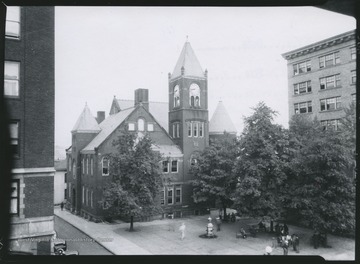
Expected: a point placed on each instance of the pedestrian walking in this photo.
(171, 222)
(182, 231)
(218, 223)
(286, 229)
(62, 206)
(285, 246)
(296, 243)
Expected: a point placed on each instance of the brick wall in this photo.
(39, 196)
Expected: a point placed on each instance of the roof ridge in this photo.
(131, 100)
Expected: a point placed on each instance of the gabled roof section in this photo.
(190, 63)
(86, 122)
(107, 127)
(159, 110)
(221, 121)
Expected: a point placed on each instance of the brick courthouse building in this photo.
(179, 129)
(29, 92)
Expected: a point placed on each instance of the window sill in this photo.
(330, 66)
(328, 89)
(333, 110)
(303, 73)
(12, 97)
(296, 95)
(308, 113)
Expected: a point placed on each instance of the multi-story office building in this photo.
(322, 78)
(29, 98)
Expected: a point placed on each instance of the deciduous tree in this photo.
(135, 178)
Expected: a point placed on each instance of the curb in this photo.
(100, 243)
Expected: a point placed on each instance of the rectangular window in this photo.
(329, 59)
(11, 78)
(196, 127)
(91, 198)
(165, 165)
(69, 189)
(162, 196)
(353, 77)
(303, 87)
(14, 137)
(332, 124)
(302, 67)
(190, 129)
(131, 127)
(173, 131)
(353, 53)
(87, 165)
(302, 108)
(174, 166)
(87, 197)
(353, 97)
(330, 82)
(92, 166)
(201, 129)
(150, 127)
(178, 130)
(12, 26)
(170, 194)
(83, 194)
(330, 103)
(105, 167)
(83, 165)
(14, 198)
(178, 194)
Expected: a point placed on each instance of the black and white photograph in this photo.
(179, 130)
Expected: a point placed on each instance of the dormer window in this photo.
(194, 95)
(141, 124)
(131, 127)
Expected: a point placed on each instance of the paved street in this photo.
(77, 240)
(156, 237)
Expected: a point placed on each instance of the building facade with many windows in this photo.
(322, 78)
(29, 90)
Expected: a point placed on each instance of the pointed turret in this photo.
(86, 122)
(221, 121)
(187, 64)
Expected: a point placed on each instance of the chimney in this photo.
(142, 97)
(100, 116)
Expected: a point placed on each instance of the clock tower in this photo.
(188, 107)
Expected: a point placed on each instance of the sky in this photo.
(105, 51)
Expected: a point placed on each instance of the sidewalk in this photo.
(103, 233)
(162, 237)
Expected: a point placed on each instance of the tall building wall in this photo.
(332, 75)
(31, 109)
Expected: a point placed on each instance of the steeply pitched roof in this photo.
(190, 63)
(86, 122)
(221, 121)
(158, 109)
(107, 127)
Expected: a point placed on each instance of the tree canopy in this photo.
(321, 191)
(135, 177)
(213, 179)
(260, 166)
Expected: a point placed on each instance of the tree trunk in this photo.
(225, 216)
(131, 223)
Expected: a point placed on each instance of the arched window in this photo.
(105, 166)
(194, 95)
(193, 160)
(74, 168)
(176, 96)
(141, 124)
